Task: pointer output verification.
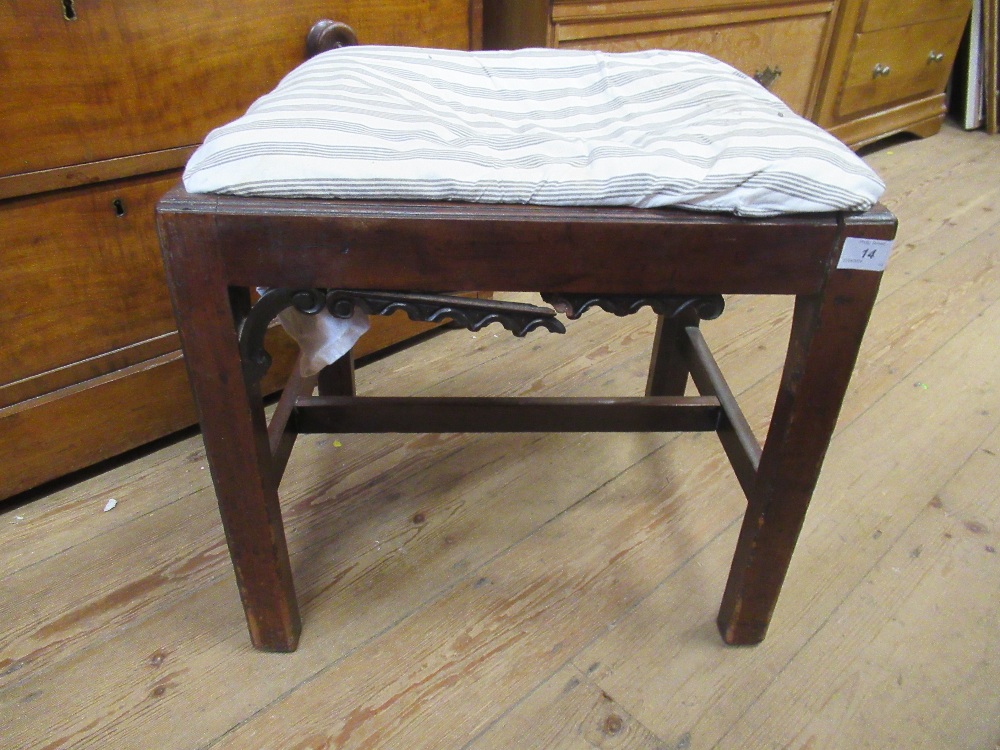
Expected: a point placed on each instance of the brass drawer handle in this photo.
(880, 70)
(935, 57)
(767, 76)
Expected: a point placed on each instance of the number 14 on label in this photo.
(863, 254)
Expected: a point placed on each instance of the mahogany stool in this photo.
(216, 248)
(383, 255)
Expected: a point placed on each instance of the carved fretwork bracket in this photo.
(256, 360)
(473, 314)
(707, 307)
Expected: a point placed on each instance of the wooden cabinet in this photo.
(889, 67)
(102, 105)
(782, 44)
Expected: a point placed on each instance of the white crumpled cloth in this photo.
(322, 338)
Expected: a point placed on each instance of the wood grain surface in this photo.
(178, 69)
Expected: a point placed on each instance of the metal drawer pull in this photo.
(880, 70)
(934, 57)
(768, 76)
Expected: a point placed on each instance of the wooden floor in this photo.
(560, 591)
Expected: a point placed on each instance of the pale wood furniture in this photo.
(890, 64)
(103, 103)
(781, 44)
(863, 69)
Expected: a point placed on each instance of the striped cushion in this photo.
(551, 127)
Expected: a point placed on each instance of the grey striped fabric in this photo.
(549, 127)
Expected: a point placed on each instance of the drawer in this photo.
(571, 10)
(132, 76)
(90, 290)
(787, 50)
(894, 65)
(80, 423)
(885, 14)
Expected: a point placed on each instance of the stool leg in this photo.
(338, 379)
(826, 336)
(668, 367)
(235, 434)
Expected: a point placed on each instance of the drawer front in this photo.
(76, 426)
(895, 65)
(783, 54)
(564, 10)
(132, 76)
(885, 14)
(81, 277)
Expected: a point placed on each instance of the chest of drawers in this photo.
(102, 105)
(889, 67)
(783, 45)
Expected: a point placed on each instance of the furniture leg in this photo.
(668, 367)
(338, 379)
(281, 430)
(235, 434)
(826, 336)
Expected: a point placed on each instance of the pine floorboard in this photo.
(559, 591)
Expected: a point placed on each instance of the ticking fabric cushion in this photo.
(549, 127)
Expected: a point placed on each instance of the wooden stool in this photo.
(218, 247)
(340, 255)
